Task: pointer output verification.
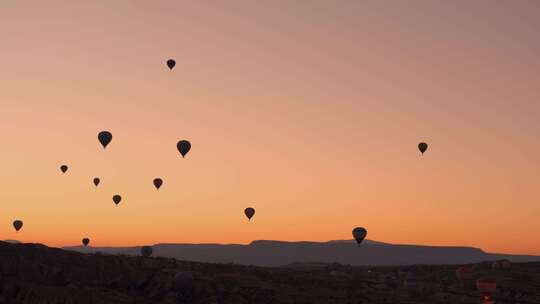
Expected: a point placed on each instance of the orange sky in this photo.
(309, 111)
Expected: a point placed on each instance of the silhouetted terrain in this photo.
(277, 253)
(33, 273)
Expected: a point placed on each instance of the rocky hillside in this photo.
(33, 273)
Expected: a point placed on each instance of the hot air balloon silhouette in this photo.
(422, 147)
(17, 224)
(158, 182)
(63, 168)
(116, 199)
(465, 275)
(86, 241)
(96, 181)
(486, 286)
(249, 212)
(104, 137)
(171, 63)
(146, 251)
(501, 264)
(359, 234)
(183, 147)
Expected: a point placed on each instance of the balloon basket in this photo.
(487, 299)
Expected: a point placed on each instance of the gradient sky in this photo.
(309, 111)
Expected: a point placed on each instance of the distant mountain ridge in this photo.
(279, 253)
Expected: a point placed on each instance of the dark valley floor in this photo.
(32, 273)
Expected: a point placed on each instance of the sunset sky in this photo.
(308, 111)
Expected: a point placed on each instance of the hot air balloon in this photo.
(104, 137)
(488, 300)
(464, 274)
(171, 63)
(116, 199)
(486, 286)
(506, 264)
(183, 146)
(96, 181)
(502, 264)
(146, 251)
(63, 168)
(359, 234)
(422, 147)
(86, 241)
(249, 212)
(158, 182)
(17, 224)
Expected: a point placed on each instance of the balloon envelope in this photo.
(105, 137)
(422, 147)
(146, 251)
(359, 234)
(63, 168)
(486, 285)
(158, 182)
(464, 273)
(85, 241)
(183, 146)
(249, 212)
(171, 63)
(116, 199)
(17, 224)
(96, 181)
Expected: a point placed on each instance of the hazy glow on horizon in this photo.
(308, 111)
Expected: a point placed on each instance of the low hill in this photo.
(279, 253)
